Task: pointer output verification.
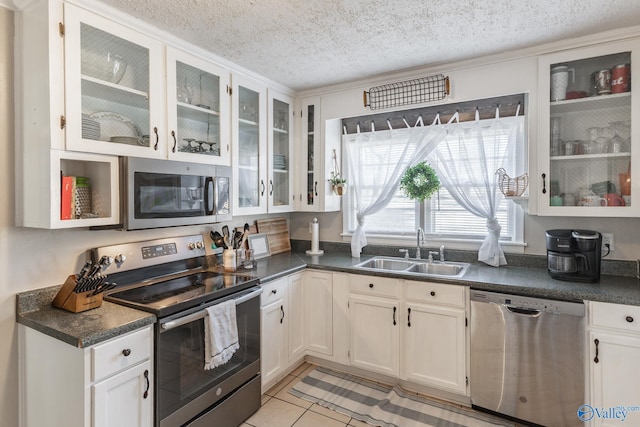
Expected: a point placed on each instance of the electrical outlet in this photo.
(607, 239)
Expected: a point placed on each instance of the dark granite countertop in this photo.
(34, 309)
(534, 282)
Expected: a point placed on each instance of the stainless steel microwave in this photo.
(165, 193)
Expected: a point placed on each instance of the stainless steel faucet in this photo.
(419, 239)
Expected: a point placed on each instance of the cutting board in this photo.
(277, 233)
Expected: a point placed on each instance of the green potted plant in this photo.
(338, 184)
(419, 182)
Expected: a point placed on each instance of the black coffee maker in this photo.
(574, 255)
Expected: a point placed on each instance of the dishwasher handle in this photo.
(523, 311)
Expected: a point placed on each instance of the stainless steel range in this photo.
(174, 279)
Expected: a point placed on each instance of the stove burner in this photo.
(176, 294)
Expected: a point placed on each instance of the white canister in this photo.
(560, 81)
(229, 260)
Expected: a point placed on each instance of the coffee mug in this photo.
(614, 199)
(592, 201)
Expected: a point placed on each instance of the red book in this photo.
(66, 199)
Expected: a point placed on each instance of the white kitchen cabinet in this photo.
(586, 143)
(434, 336)
(318, 315)
(198, 100)
(280, 152)
(110, 384)
(314, 154)
(296, 310)
(117, 399)
(375, 334)
(614, 349)
(374, 327)
(114, 87)
(273, 331)
(249, 146)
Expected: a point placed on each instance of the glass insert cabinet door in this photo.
(114, 89)
(249, 147)
(198, 110)
(280, 153)
(587, 166)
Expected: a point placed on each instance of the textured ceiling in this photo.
(310, 43)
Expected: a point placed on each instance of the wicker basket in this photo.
(512, 187)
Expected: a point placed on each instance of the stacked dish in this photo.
(280, 162)
(90, 127)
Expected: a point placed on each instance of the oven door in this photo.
(184, 389)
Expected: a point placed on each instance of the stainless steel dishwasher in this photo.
(527, 357)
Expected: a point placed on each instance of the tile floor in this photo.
(282, 409)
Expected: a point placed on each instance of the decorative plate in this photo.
(114, 124)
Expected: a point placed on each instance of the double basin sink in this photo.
(414, 266)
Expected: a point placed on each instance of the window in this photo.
(441, 217)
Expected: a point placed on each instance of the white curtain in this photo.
(374, 189)
(468, 171)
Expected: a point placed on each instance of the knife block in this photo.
(75, 302)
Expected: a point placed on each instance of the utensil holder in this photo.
(76, 302)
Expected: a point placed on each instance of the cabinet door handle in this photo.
(262, 184)
(146, 391)
(629, 319)
(394, 316)
(271, 187)
(409, 317)
(316, 188)
(126, 352)
(175, 142)
(596, 342)
(544, 183)
(282, 310)
(155, 130)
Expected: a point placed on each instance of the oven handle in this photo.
(165, 326)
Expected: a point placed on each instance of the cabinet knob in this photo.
(274, 291)
(126, 352)
(371, 285)
(629, 319)
(432, 293)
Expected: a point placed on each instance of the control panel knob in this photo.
(120, 258)
(191, 246)
(199, 245)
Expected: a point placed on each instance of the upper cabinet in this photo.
(198, 110)
(280, 151)
(317, 152)
(114, 84)
(587, 135)
(249, 145)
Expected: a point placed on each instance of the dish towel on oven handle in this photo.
(220, 334)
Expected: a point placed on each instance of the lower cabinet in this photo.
(435, 336)
(318, 312)
(116, 400)
(106, 385)
(274, 331)
(614, 352)
(375, 334)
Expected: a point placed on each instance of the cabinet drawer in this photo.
(370, 285)
(120, 353)
(618, 316)
(273, 291)
(436, 293)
